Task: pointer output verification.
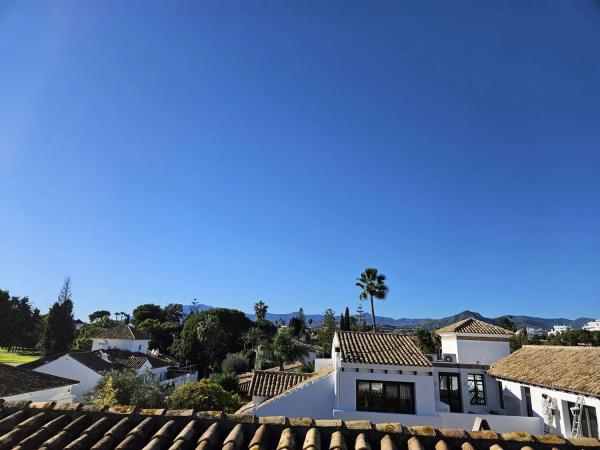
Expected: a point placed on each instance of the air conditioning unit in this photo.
(449, 357)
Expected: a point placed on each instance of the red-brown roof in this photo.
(74, 426)
(380, 348)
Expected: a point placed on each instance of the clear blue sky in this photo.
(235, 151)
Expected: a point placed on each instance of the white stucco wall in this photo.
(60, 395)
(560, 422)
(139, 345)
(473, 351)
(67, 367)
(310, 400)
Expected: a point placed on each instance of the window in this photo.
(476, 389)
(450, 391)
(501, 394)
(385, 396)
(527, 395)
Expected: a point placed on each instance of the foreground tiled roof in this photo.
(16, 381)
(380, 348)
(123, 331)
(573, 369)
(474, 326)
(266, 383)
(73, 426)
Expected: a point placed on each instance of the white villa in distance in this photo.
(594, 325)
(118, 348)
(558, 329)
(383, 377)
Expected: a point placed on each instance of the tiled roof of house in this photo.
(73, 426)
(123, 331)
(245, 378)
(16, 381)
(573, 369)
(380, 348)
(474, 326)
(268, 383)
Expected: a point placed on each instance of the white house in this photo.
(558, 329)
(386, 378)
(122, 337)
(554, 383)
(21, 384)
(111, 350)
(594, 325)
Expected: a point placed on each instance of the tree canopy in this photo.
(60, 327)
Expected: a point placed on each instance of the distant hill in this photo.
(429, 324)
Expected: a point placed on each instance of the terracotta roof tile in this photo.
(123, 331)
(380, 348)
(573, 369)
(46, 426)
(269, 384)
(16, 380)
(474, 326)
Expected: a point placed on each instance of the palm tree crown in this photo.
(372, 285)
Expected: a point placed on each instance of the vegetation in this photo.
(18, 357)
(235, 363)
(372, 285)
(20, 324)
(59, 332)
(284, 349)
(127, 388)
(429, 341)
(326, 332)
(227, 380)
(346, 321)
(208, 336)
(204, 395)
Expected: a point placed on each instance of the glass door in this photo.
(450, 391)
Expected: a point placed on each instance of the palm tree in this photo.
(260, 310)
(372, 285)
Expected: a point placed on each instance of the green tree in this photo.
(209, 335)
(83, 340)
(284, 349)
(326, 331)
(372, 285)
(345, 322)
(162, 334)
(99, 315)
(260, 310)
(518, 340)
(506, 323)
(60, 328)
(227, 380)
(173, 312)
(147, 311)
(204, 395)
(428, 341)
(235, 363)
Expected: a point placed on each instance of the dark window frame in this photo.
(476, 384)
(458, 407)
(527, 398)
(387, 407)
(501, 394)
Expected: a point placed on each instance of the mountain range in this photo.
(429, 324)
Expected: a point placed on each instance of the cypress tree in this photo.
(60, 329)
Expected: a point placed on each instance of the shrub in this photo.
(227, 380)
(204, 395)
(126, 388)
(235, 363)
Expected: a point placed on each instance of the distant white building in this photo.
(21, 384)
(594, 325)
(118, 348)
(546, 381)
(558, 329)
(534, 331)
